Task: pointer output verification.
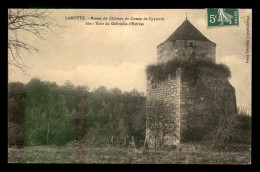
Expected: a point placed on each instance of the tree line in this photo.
(44, 113)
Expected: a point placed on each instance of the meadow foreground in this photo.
(189, 154)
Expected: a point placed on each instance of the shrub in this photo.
(191, 68)
(244, 128)
(234, 129)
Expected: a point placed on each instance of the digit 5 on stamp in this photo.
(217, 17)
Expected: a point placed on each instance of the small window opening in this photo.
(190, 44)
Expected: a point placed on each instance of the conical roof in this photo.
(186, 31)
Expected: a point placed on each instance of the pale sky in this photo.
(116, 56)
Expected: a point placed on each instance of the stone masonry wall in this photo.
(188, 109)
(201, 104)
(185, 49)
(163, 102)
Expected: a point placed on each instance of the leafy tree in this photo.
(139, 124)
(134, 92)
(49, 120)
(16, 114)
(115, 91)
(81, 104)
(16, 102)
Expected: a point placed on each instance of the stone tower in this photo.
(178, 110)
(184, 42)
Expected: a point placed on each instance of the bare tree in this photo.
(160, 123)
(36, 22)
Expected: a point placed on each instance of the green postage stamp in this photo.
(222, 17)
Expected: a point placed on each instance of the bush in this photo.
(244, 128)
(235, 129)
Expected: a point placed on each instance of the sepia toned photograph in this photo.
(130, 86)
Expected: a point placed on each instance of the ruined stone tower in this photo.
(180, 109)
(184, 42)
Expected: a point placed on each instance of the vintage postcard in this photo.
(129, 86)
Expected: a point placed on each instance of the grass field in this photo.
(189, 154)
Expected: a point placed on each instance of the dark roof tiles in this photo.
(186, 31)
